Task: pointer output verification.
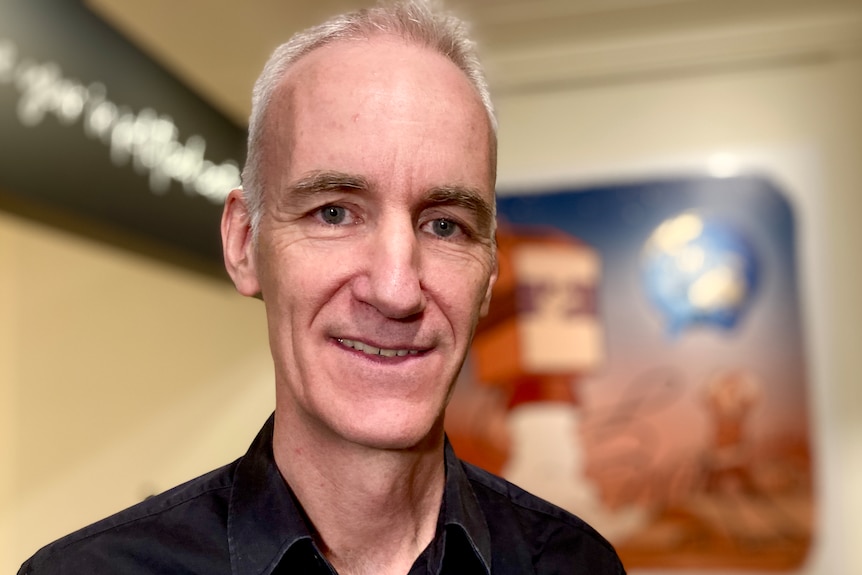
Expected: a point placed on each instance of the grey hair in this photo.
(416, 21)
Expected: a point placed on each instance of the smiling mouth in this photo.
(371, 350)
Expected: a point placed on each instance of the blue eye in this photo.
(333, 215)
(443, 228)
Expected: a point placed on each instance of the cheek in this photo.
(461, 295)
(287, 264)
(283, 279)
(299, 279)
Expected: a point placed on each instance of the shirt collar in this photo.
(265, 520)
(462, 511)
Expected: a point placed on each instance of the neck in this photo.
(373, 510)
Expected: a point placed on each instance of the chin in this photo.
(396, 434)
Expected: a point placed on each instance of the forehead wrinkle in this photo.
(465, 197)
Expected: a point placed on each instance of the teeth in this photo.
(371, 350)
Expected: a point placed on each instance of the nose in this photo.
(392, 281)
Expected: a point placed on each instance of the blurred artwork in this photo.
(642, 365)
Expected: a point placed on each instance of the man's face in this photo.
(375, 253)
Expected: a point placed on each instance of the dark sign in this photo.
(92, 128)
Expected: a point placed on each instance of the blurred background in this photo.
(127, 362)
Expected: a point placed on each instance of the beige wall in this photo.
(9, 439)
(121, 376)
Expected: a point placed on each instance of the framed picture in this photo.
(643, 364)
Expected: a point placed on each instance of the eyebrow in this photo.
(468, 198)
(295, 195)
(326, 181)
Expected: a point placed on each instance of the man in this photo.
(367, 227)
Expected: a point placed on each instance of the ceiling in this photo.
(218, 46)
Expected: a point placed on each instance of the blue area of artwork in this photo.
(699, 270)
(723, 240)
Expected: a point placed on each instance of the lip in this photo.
(374, 350)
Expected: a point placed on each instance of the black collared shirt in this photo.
(243, 519)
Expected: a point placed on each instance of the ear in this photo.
(238, 244)
(486, 301)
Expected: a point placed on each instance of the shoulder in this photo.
(144, 537)
(551, 538)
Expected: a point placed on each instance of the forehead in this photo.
(380, 105)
